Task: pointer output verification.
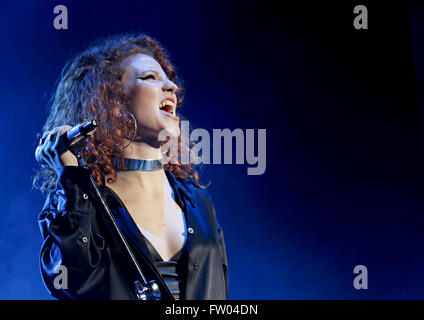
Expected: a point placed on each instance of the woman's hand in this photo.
(46, 151)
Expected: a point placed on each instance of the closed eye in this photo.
(147, 77)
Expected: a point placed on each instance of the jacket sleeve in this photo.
(221, 243)
(73, 258)
(223, 251)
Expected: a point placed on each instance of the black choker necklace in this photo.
(137, 164)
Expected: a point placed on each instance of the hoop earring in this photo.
(135, 130)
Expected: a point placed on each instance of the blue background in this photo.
(343, 114)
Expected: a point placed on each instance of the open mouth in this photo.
(168, 108)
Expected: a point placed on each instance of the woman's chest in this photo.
(162, 222)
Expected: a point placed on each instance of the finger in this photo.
(64, 129)
(47, 147)
(56, 141)
(37, 153)
(38, 150)
(43, 138)
(41, 156)
(40, 153)
(45, 141)
(45, 157)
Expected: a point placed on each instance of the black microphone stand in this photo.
(144, 290)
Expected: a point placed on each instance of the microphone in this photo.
(83, 129)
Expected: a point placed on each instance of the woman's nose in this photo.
(169, 86)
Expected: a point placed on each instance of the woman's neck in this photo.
(143, 151)
(150, 181)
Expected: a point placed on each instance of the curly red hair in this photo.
(89, 88)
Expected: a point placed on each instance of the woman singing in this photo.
(128, 85)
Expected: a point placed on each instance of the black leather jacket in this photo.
(78, 235)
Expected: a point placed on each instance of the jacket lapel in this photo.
(184, 197)
(198, 239)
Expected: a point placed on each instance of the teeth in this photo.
(169, 103)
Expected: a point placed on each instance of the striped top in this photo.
(172, 271)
